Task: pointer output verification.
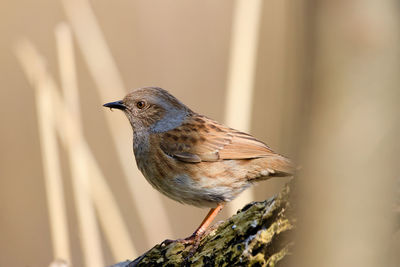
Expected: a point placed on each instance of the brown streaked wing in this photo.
(244, 147)
(202, 138)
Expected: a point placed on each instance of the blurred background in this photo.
(318, 81)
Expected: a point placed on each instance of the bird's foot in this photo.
(193, 239)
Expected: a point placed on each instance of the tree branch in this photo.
(257, 235)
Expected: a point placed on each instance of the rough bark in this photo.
(258, 235)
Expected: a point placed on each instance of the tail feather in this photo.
(273, 166)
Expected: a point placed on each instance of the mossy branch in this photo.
(258, 235)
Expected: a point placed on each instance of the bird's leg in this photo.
(194, 239)
(201, 229)
(207, 221)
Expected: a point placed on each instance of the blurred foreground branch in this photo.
(257, 235)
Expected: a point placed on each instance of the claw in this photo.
(186, 241)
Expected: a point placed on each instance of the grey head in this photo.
(152, 109)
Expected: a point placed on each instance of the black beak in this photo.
(117, 104)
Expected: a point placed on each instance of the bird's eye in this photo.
(140, 104)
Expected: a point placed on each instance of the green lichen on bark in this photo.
(256, 236)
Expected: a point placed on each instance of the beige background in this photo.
(182, 46)
(326, 82)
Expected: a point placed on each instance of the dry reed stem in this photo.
(107, 209)
(110, 86)
(50, 155)
(110, 218)
(80, 176)
(241, 74)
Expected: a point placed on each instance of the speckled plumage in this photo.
(191, 158)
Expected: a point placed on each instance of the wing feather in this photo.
(202, 138)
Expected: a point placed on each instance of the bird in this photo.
(191, 158)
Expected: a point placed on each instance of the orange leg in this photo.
(207, 220)
(201, 229)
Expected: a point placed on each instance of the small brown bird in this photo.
(191, 158)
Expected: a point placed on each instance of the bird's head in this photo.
(152, 109)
